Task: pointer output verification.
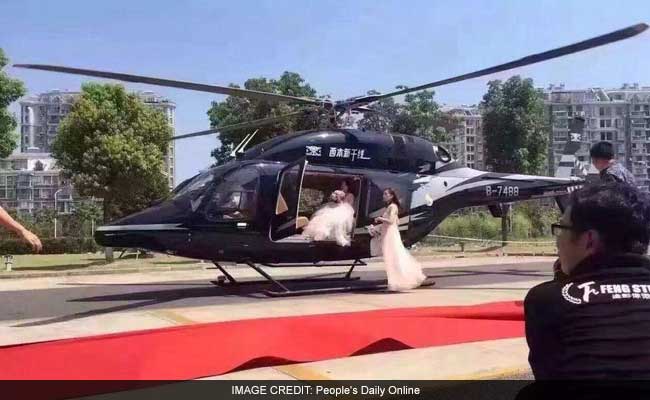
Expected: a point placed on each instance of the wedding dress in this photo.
(334, 221)
(403, 271)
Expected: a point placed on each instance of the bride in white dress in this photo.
(334, 221)
(403, 271)
(346, 187)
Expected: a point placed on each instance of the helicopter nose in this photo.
(153, 229)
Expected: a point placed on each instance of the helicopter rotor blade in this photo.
(611, 37)
(242, 125)
(201, 87)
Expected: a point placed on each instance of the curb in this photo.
(195, 267)
(107, 271)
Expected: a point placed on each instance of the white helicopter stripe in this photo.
(418, 217)
(435, 190)
(461, 173)
(147, 227)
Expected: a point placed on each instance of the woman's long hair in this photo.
(350, 184)
(394, 200)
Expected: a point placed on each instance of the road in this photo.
(93, 296)
(40, 309)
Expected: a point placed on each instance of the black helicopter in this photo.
(251, 210)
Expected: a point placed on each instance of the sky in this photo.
(341, 48)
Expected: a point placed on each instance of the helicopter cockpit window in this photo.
(423, 166)
(198, 182)
(234, 198)
(442, 153)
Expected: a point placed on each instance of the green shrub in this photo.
(526, 222)
(67, 245)
(521, 226)
(475, 225)
(541, 215)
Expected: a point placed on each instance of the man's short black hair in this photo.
(602, 150)
(620, 213)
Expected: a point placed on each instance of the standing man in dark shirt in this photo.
(595, 322)
(602, 157)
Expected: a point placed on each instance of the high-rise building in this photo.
(168, 108)
(466, 140)
(621, 116)
(40, 118)
(41, 115)
(31, 181)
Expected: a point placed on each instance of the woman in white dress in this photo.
(346, 186)
(402, 270)
(334, 221)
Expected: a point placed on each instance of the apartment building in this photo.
(31, 181)
(41, 115)
(467, 142)
(621, 116)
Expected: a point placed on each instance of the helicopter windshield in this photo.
(200, 181)
(234, 197)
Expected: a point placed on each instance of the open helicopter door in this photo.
(284, 221)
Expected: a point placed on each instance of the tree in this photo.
(10, 91)
(514, 126)
(235, 110)
(383, 116)
(44, 220)
(112, 146)
(419, 115)
(87, 212)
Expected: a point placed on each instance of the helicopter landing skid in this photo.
(283, 291)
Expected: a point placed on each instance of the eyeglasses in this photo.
(557, 228)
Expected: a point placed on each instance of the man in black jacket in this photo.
(595, 321)
(610, 170)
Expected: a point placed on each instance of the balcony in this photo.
(24, 196)
(561, 114)
(43, 185)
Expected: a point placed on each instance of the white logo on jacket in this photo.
(615, 291)
(587, 291)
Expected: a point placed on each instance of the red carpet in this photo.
(200, 350)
